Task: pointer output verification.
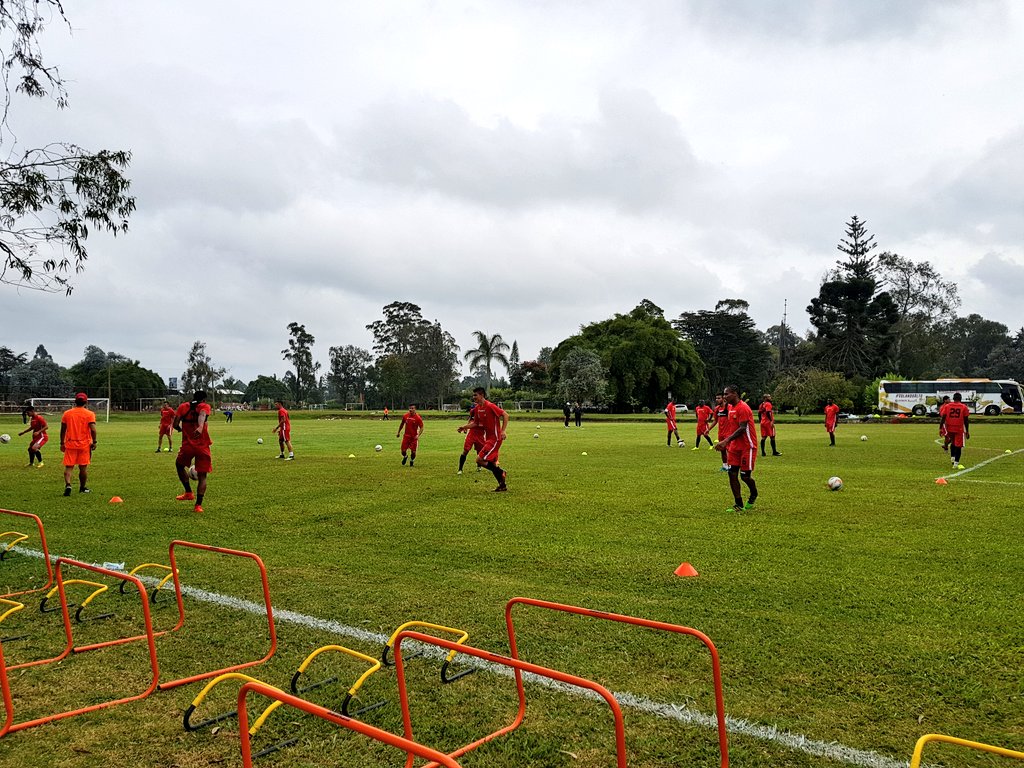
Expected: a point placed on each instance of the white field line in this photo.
(988, 482)
(981, 464)
(669, 711)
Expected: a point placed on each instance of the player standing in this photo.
(77, 442)
(670, 422)
(956, 420)
(942, 424)
(192, 419)
(720, 414)
(412, 422)
(37, 426)
(704, 413)
(494, 421)
(166, 419)
(740, 448)
(475, 437)
(766, 415)
(284, 431)
(831, 419)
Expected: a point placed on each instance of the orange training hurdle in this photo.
(46, 553)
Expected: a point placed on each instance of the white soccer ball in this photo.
(682, 443)
(535, 435)
(378, 448)
(192, 473)
(835, 483)
(863, 438)
(259, 441)
(5, 438)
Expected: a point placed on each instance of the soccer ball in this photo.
(835, 483)
(378, 448)
(863, 438)
(5, 438)
(682, 443)
(259, 441)
(535, 435)
(193, 475)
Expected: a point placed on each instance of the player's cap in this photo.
(82, 396)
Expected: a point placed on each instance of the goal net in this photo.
(529, 405)
(149, 404)
(355, 406)
(50, 406)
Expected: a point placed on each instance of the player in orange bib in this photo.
(77, 442)
(412, 423)
(740, 448)
(37, 426)
(831, 419)
(956, 420)
(766, 415)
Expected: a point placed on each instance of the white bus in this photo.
(923, 397)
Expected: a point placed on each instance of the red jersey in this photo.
(831, 414)
(283, 418)
(475, 431)
(166, 416)
(703, 414)
(189, 420)
(765, 413)
(38, 424)
(670, 412)
(489, 417)
(721, 414)
(740, 415)
(413, 424)
(956, 417)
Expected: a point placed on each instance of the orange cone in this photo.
(942, 481)
(116, 500)
(685, 570)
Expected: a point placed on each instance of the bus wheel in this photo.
(992, 410)
(919, 410)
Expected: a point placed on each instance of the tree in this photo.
(643, 356)
(200, 372)
(582, 377)
(394, 335)
(808, 389)
(126, 380)
(8, 362)
(50, 196)
(39, 377)
(434, 364)
(535, 376)
(268, 388)
(729, 344)
(921, 297)
(515, 376)
(231, 384)
(347, 377)
(300, 355)
(1006, 361)
(544, 356)
(854, 320)
(783, 344)
(488, 349)
(967, 343)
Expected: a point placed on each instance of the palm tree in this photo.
(488, 349)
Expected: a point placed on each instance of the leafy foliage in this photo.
(266, 388)
(489, 349)
(347, 377)
(300, 355)
(200, 372)
(808, 389)
(581, 376)
(50, 196)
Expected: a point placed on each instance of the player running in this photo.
(192, 419)
(720, 417)
(166, 419)
(704, 414)
(494, 421)
(412, 423)
(37, 426)
(670, 422)
(831, 419)
(475, 437)
(284, 431)
(766, 415)
(956, 420)
(740, 448)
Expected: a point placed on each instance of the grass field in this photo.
(859, 619)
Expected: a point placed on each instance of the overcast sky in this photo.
(520, 168)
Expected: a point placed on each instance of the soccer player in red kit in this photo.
(720, 417)
(766, 415)
(412, 422)
(191, 420)
(166, 419)
(475, 437)
(494, 421)
(670, 422)
(740, 448)
(704, 414)
(37, 426)
(831, 418)
(284, 431)
(942, 424)
(956, 420)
